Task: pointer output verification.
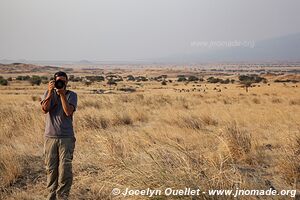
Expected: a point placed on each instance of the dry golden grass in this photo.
(157, 138)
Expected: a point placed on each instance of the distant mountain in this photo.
(29, 68)
(8, 61)
(46, 62)
(83, 62)
(281, 49)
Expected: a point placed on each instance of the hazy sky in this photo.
(135, 29)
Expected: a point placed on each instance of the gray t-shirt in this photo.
(58, 124)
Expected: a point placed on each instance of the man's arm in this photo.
(68, 108)
(46, 103)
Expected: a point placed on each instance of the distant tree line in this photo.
(113, 79)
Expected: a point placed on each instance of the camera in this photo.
(59, 84)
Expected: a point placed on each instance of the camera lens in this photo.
(59, 84)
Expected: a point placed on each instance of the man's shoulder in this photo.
(72, 92)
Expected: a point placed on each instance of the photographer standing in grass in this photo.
(59, 104)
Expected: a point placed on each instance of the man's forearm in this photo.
(68, 109)
(47, 102)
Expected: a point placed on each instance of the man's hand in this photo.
(51, 85)
(61, 91)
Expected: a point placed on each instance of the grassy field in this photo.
(158, 137)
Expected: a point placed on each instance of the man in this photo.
(59, 106)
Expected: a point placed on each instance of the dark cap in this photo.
(60, 73)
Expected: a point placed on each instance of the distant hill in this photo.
(29, 68)
(281, 49)
(83, 62)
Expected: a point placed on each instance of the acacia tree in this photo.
(246, 84)
(111, 82)
(248, 80)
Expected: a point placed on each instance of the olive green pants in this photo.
(58, 161)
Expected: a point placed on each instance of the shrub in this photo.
(256, 101)
(130, 78)
(35, 80)
(122, 119)
(3, 81)
(23, 78)
(164, 82)
(127, 89)
(193, 78)
(213, 80)
(160, 78)
(44, 82)
(181, 79)
(276, 100)
(74, 79)
(77, 79)
(251, 78)
(44, 78)
(71, 77)
(295, 102)
(286, 81)
(95, 78)
(289, 161)
(239, 142)
(225, 81)
(141, 78)
(111, 82)
(87, 82)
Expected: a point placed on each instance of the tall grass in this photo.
(157, 140)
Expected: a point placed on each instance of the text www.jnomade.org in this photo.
(197, 192)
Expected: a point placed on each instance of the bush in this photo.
(214, 80)
(239, 142)
(23, 78)
(160, 78)
(286, 81)
(130, 78)
(95, 78)
(193, 78)
(128, 89)
(225, 81)
(87, 82)
(44, 82)
(77, 79)
(181, 79)
(35, 80)
(141, 78)
(251, 78)
(111, 82)
(3, 81)
(45, 78)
